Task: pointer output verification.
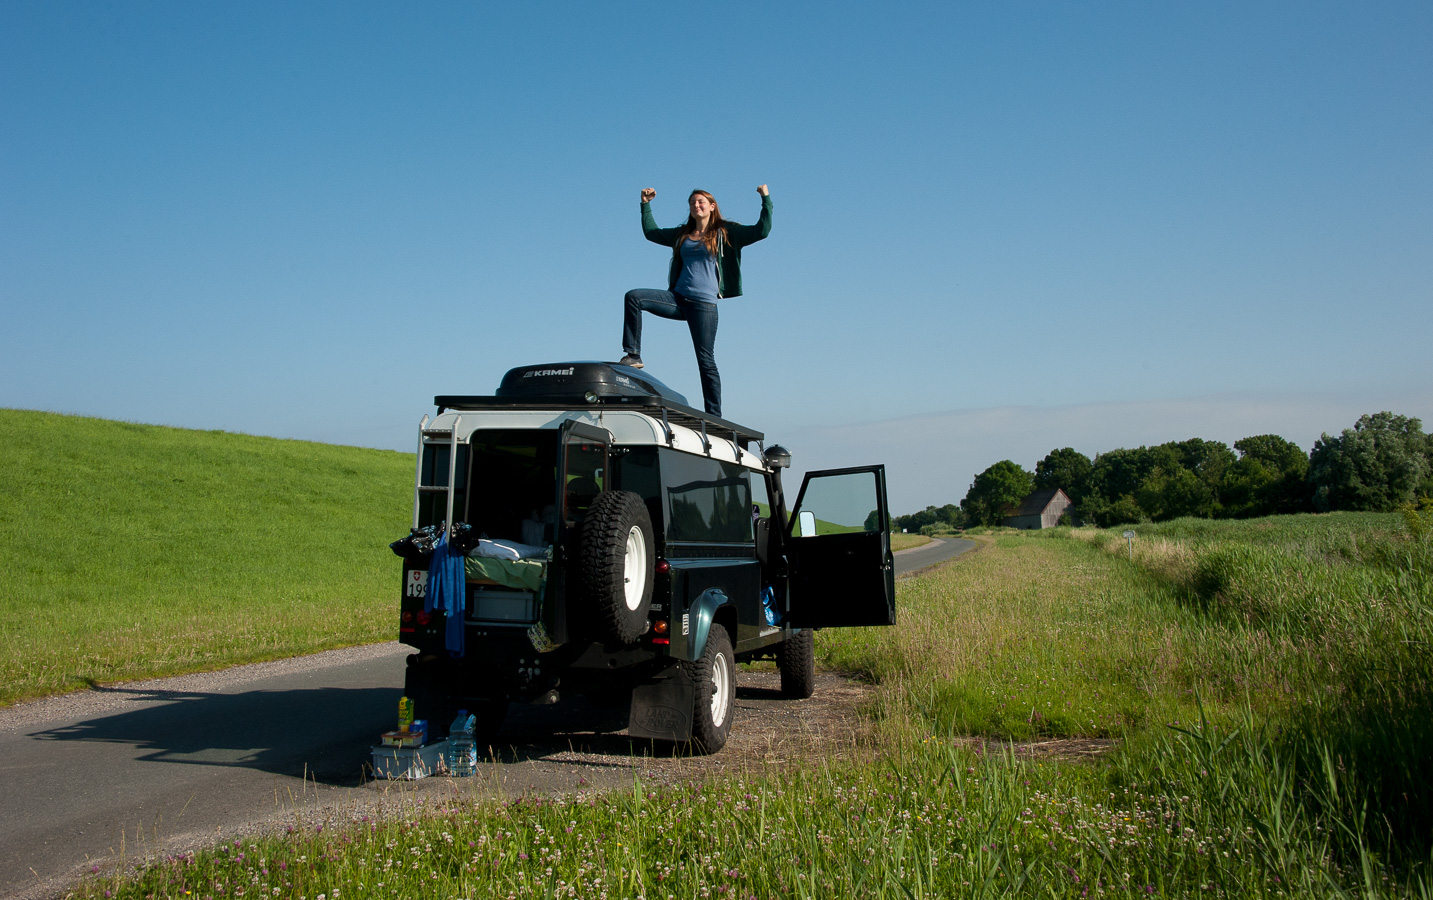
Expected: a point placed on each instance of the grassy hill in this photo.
(135, 550)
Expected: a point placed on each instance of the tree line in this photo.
(1383, 461)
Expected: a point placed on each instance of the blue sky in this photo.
(1000, 228)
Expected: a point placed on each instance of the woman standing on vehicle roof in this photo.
(706, 267)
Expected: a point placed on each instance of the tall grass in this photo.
(129, 550)
(1029, 639)
(1340, 608)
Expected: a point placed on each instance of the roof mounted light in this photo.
(590, 397)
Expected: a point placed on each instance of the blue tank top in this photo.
(698, 279)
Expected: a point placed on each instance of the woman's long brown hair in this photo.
(715, 225)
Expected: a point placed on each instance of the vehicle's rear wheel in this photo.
(796, 659)
(618, 558)
(715, 677)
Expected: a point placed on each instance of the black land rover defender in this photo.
(585, 530)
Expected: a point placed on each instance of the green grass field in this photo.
(1265, 686)
(128, 551)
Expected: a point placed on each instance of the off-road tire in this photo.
(796, 659)
(715, 703)
(618, 556)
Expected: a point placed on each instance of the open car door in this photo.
(839, 550)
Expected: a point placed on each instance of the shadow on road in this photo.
(323, 733)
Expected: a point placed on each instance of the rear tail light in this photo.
(424, 618)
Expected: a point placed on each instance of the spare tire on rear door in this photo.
(618, 556)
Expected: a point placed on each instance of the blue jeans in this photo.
(701, 319)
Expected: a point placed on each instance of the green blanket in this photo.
(519, 574)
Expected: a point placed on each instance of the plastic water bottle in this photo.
(463, 745)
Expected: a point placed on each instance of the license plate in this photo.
(416, 584)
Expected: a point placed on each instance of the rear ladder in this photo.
(429, 437)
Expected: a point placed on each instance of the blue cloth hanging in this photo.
(447, 592)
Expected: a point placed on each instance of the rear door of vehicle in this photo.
(839, 550)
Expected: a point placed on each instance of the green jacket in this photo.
(728, 263)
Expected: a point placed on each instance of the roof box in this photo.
(573, 381)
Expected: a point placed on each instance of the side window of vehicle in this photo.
(760, 499)
(707, 500)
(838, 504)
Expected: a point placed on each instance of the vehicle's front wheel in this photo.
(618, 559)
(796, 660)
(715, 677)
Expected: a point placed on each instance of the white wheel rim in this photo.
(634, 569)
(721, 695)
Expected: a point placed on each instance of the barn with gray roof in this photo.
(1041, 509)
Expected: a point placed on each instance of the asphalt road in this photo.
(172, 764)
(175, 762)
(926, 555)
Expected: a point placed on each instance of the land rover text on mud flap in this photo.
(585, 530)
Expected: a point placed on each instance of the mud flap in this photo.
(662, 707)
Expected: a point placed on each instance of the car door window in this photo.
(843, 503)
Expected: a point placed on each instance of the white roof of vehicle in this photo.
(626, 426)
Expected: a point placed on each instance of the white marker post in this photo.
(1129, 539)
